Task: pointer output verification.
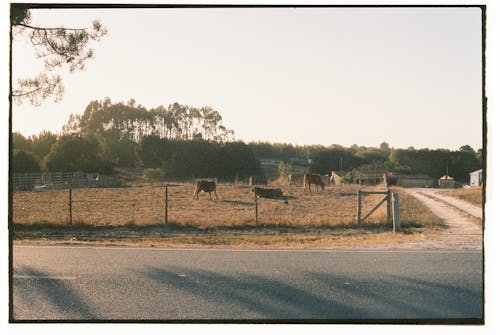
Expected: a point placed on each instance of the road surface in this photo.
(98, 283)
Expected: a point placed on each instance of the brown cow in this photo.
(313, 178)
(205, 186)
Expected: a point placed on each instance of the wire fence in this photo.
(61, 180)
(237, 206)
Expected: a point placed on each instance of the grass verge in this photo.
(275, 231)
(473, 195)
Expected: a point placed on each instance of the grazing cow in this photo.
(313, 178)
(268, 192)
(205, 186)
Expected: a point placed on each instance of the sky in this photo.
(406, 76)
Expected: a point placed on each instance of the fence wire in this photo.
(334, 206)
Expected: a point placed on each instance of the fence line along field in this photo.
(145, 206)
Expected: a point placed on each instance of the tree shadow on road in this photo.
(43, 293)
(340, 299)
(261, 297)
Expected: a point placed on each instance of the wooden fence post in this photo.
(359, 208)
(396, 224)
(70, 203)
(389, 197)
(166, 205)
(256, 208)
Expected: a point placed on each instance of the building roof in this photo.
(477, 171)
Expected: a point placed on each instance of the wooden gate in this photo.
(392, 202)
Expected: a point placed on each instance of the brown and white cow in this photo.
(313, 178)
(205, 186)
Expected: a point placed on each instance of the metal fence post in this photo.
(396, 224)
(70, 203)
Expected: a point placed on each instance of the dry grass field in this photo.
(136, 215)
(473, 195)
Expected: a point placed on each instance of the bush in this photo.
(347, 179)
(155, 174)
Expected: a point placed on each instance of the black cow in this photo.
(205, 186)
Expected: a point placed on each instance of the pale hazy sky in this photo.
(407, 76)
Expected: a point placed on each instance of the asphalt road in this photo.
(95, 283)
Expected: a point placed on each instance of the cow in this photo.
(268, 192)
(205, 186)
(313, 178)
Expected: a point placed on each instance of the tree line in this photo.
(132, 121)
(180, 141)
(432, 162)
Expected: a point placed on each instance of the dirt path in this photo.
(463, 233)
(465, 206)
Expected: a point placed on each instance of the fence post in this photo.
(359, 208)
(70, 203)
(389, 197)
(166, 204)
(396, 225)
(256, 208)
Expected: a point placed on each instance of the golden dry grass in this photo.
(234, 208)
(135, 216)
(473, 195)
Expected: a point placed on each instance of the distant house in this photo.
(446, 182)
(476, 178)
(419, 180)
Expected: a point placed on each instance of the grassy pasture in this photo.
(235, 207)
(136, 215)
(473, 195)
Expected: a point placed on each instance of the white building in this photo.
(476, 178)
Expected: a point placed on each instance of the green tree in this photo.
(334, 159)
(236, 158)
(21, 143)
(192, 159)
(372, 155)
(74, 153)
(150, 151)
(437, 163)
(121, 152)
(57, 47)
(132, 121)
(466, 148)
(42, 143)
(23, 161)
(384, 146)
